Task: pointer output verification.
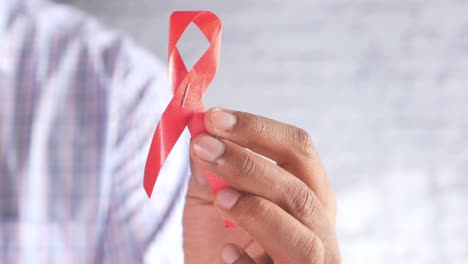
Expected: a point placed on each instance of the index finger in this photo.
(278, 141)
(291, 147)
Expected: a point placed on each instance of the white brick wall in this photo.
(382, 85)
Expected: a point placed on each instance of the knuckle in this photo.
(247, 165)
(262, 209)
(252, 208)
(303, 142)
(313, 250)
(258, 126)
(304, 204)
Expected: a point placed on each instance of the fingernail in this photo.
(230, 254)
(223, 121)
(227, 198)
(208, 148)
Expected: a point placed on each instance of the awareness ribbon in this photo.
(186, 108)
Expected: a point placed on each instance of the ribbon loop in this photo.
(205, 69)
(185, 109)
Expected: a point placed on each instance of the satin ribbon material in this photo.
(186, 108)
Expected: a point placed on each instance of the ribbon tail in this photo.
(170, 127)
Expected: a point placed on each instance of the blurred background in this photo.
(382, 87)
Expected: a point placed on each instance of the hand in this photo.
(283, 206)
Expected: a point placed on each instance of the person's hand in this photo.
(283, 206)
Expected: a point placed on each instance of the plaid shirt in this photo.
(78, 106)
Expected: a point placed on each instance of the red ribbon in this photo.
(186, 108)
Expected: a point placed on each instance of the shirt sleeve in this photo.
(146, 229)
(153, 228)
(104, 96)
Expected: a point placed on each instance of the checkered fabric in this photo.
(78, 106)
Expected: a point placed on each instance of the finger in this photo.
(233, 254)
(201, 193)
(257, 133)
(284, 238)
(198, 173)
(289, 146)
(198, 187)
(250, 173)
